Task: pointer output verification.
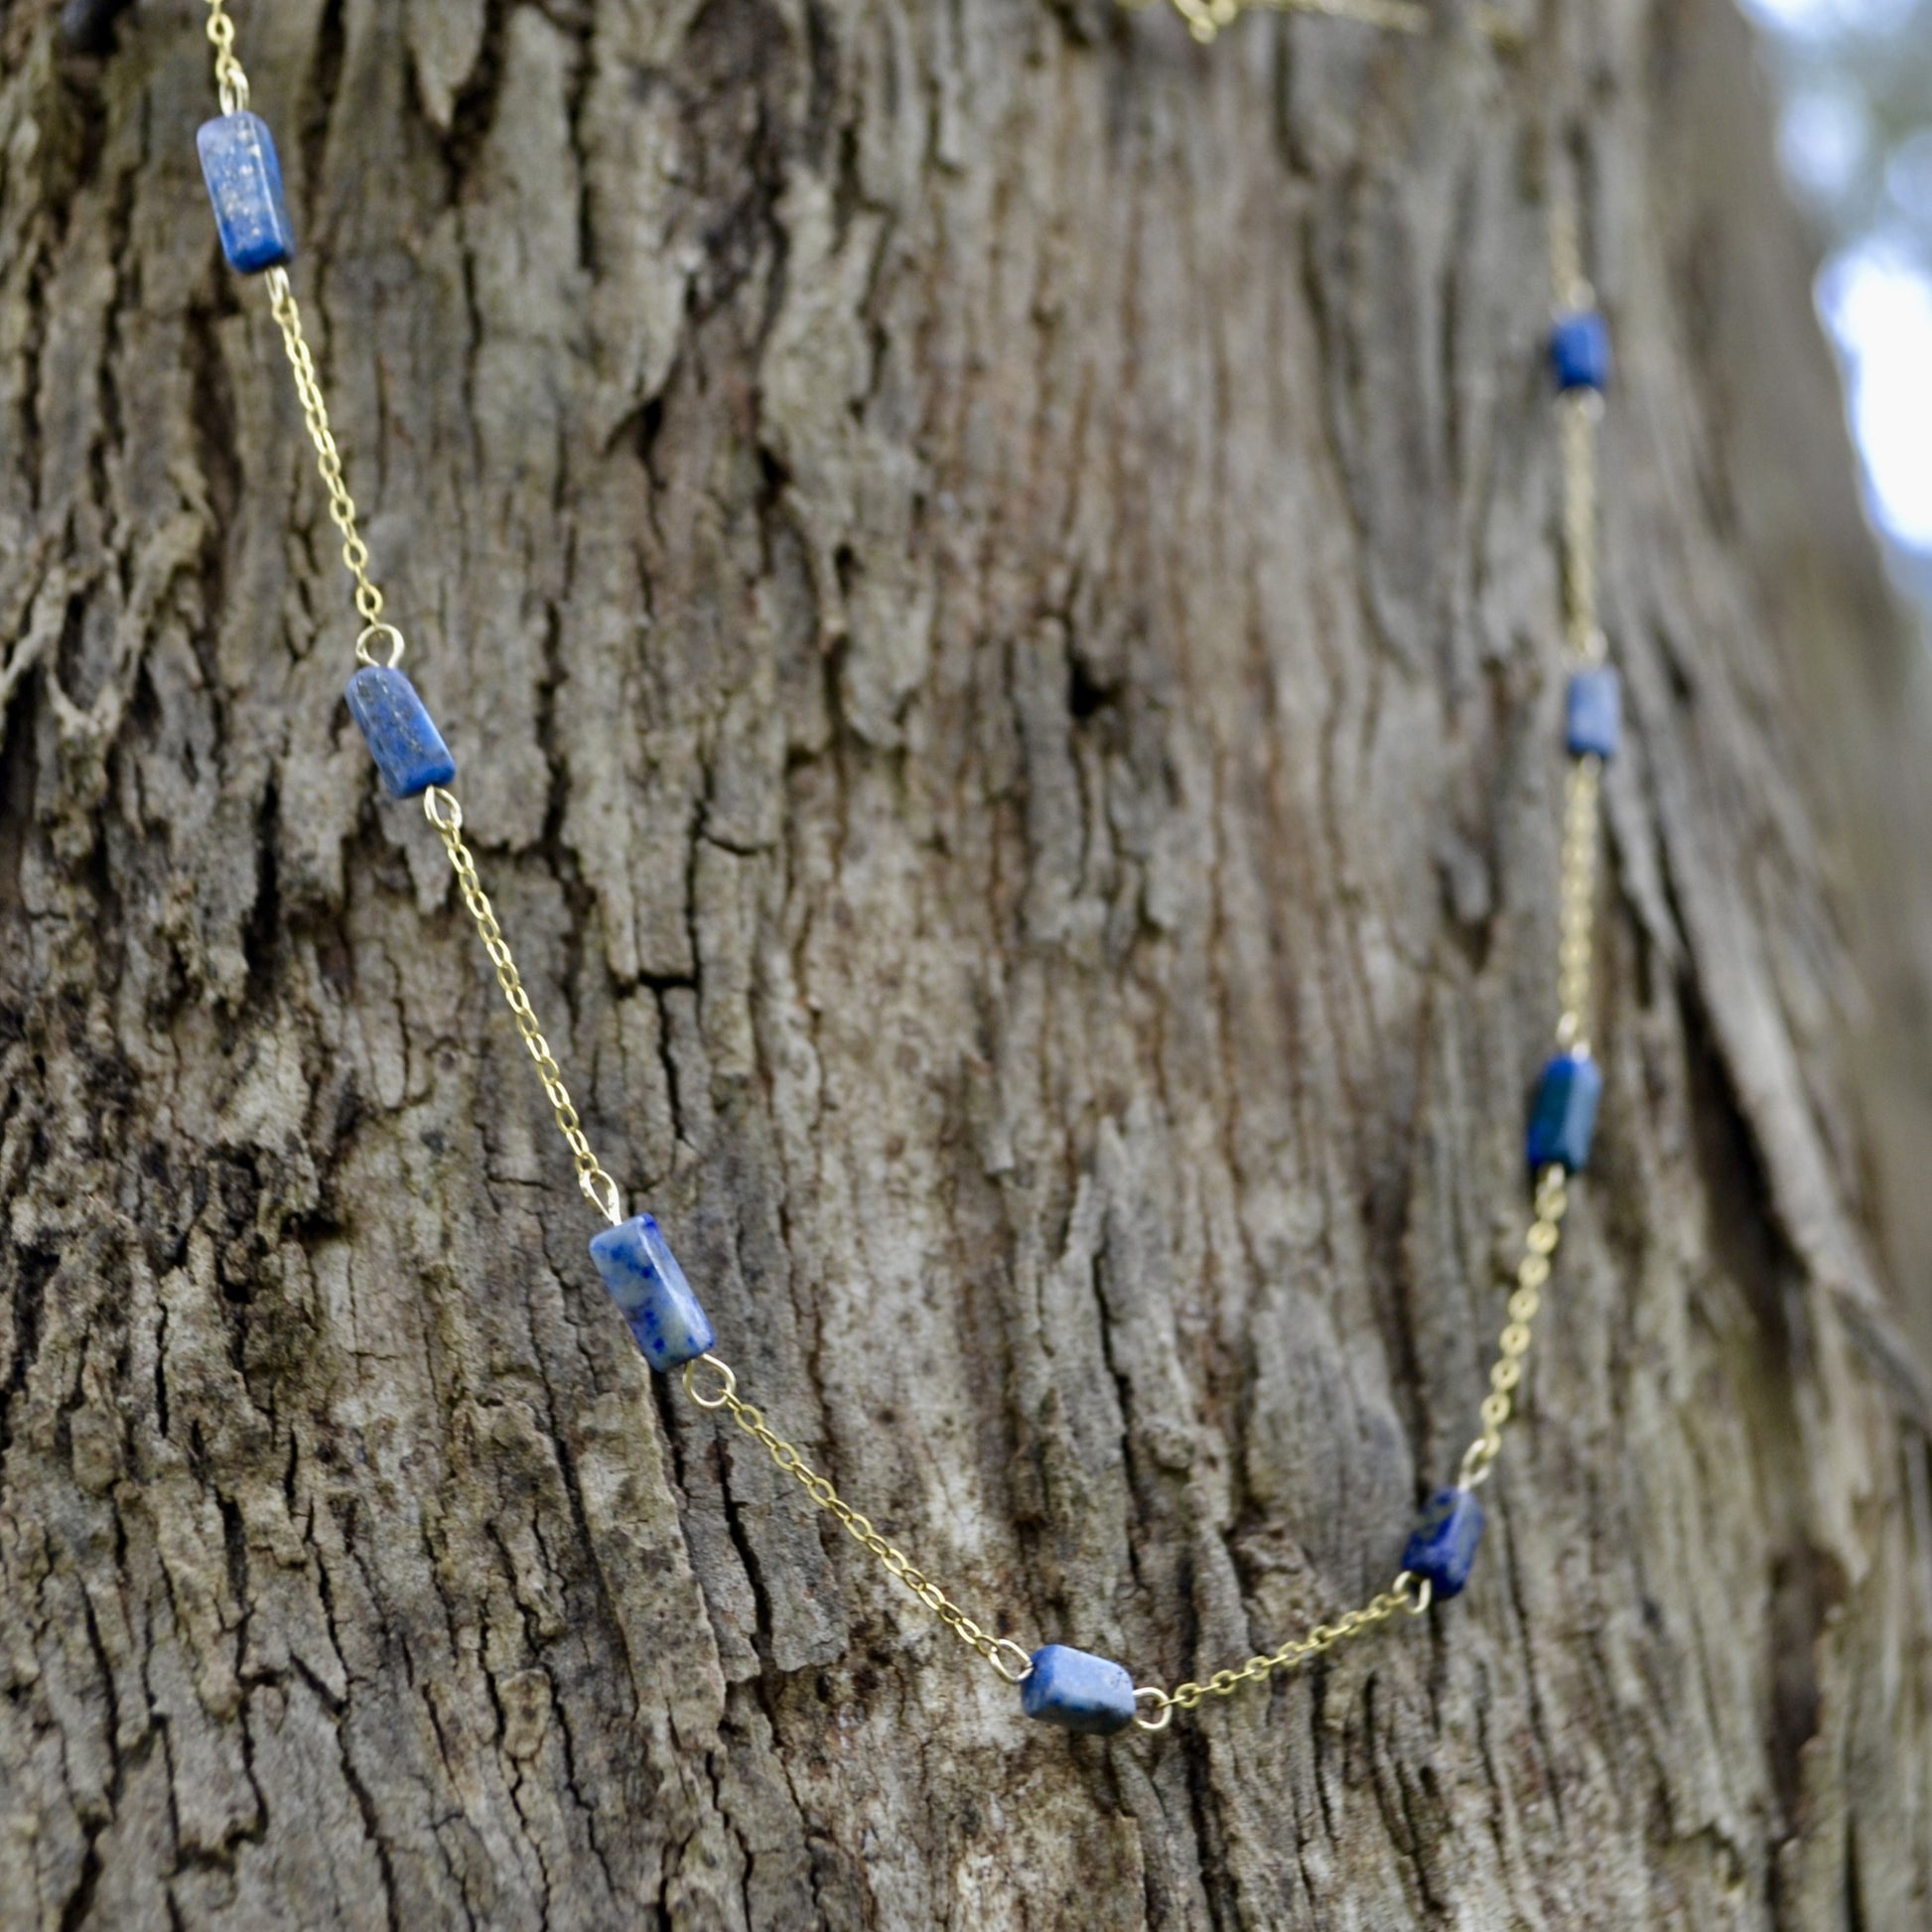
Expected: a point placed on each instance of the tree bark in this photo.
(992, 574)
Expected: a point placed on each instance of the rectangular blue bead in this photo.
(244, 182)
(1594, 717)
(1442, 1550)
(1565, 1114)
(1580, 351)
(407, 748)
(646, 1282)
(1078, 1691)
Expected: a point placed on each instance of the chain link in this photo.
(1506, 1372)
(230, 81)
(1577, 904)
(1000, 1653)
(329, 459)
(442, 810)
(1406, 1594)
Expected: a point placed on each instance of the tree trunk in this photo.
(992, 574)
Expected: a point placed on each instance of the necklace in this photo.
(1058, 1684)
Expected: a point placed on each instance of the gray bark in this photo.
(992, 574)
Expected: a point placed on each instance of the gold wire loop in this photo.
(1002, 1648)
(727, 1382)
(230, 82)
(602, 1193)
(1424, 1592)
(1162, 1707)
(388, 631)
(440, 807)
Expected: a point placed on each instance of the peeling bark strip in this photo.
(992, 575)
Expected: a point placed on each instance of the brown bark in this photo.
(992, 575)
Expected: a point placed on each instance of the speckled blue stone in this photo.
(407, 748)
(1078, 1691)
(646, 1282)
(244, 182)
(1565, 1114)
(1442, 1549)
(1594, 713)
(1580, 351)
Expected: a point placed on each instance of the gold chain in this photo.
(445, 813)
(1576, 941)
(329, 459)
(1532, 1273)
(233, 86)
(998, 1651)
(442, 810)
(1581, 409)
(1577, 904)
(1406, 1593)
(230, 81)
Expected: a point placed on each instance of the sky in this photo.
(1856, 139)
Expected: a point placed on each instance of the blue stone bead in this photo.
(646, 1282)
(244, 182)
(1595, 713)
(1565, 1114)
(1078, 1691)
(1442, 1549)
(407, 748)
(1580, 351)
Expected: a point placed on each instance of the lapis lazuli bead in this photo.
(1442, 1550)
(1078, 1691)
(1579, 351)
(1595, 713)
(407, 748)
(244, 182)
(646, 1282)
(1565, 1114)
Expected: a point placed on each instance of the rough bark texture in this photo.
(992, 575)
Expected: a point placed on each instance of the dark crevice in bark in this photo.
(371, 1816)
(1396, 1802)
(33, 1269)
(88, 26)
(108, 446)
(317, 109)
(1539, 1722)
(215, 444)
(729, 87)
(1853, 1897)
(473, 109)
(264, 933)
